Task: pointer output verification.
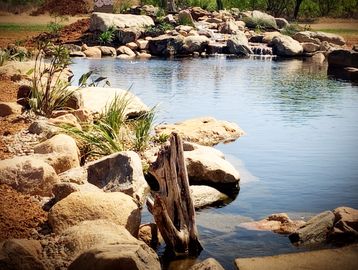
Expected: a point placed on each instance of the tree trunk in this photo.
(297, 8)
(173, 208)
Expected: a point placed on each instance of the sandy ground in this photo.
(41, 19)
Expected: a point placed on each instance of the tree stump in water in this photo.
(173, 208)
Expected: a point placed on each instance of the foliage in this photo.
(292, 29)
(259, 23)
(48, 91)
(107, 36)
(11, 55)
(17, 27)
(142, 127)
(161, 138)
(113, 132)
(54, 27)
(185, 20)
(158, 29)
(121, 6)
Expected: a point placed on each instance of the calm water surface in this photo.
(300, 154)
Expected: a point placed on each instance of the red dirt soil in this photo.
(66, 7)
(19, 214)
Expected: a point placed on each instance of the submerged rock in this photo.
(316, 230)
(278, 223)
(204, 196)
(208, 264)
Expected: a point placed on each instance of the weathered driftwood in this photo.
(173, 208)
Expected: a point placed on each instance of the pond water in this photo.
(300, 154)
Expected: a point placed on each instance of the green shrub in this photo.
(48, 91)
(158, 29)
(292, 29)
(259, 23)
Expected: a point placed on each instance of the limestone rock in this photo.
(28, 175)
(204, 195)
(43, 127)
(166, 45)
(102, 21)
(307, 36)
(93, 52)
(238, 44)
(345, 224)
(132, 45)
(95, 99)
(148, 233)
(117, 256)
(62, 190)
(197, 12)
(8, 108)
(278, 223)
(268, 36)
(121, 171)
(76, 175)
(107, 51)
(142, 44)
(21, 254)
(125, 50)
(79, 206)
(229, 27)
(127, 35)
(282, 23)
(195, 43)
(204, 166)
(63, 152)
(208, 264)
(185, 18)
(66, 119)
(316, 230)
(310, 47)
(91, 233)
(204, 130)
(286, 46)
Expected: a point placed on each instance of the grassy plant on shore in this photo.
(49, 92)
(142, 127)
(107, 36)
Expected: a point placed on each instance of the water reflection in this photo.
(299, 155)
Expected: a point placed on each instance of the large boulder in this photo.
(61, 152)
(28, 175)
(103, 21)
(204, 130)
(238, 44)
(343, 58)
(205, 166)
(208, 264)
(21, 254)
(107, 51)
(286, 46)
(137, 256)
(258, 18)
(278, 223)
(229, 27)
(309, 36)
(119, 172)
(62, 190)
(268, 36)
(195, 43)
(305, 36)
(345, 224)
(166, 45)
(96, 98)
(316, 230)
(91, 233)
(92, 52)
(79, 206)
(204, 195)
(282, 23)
